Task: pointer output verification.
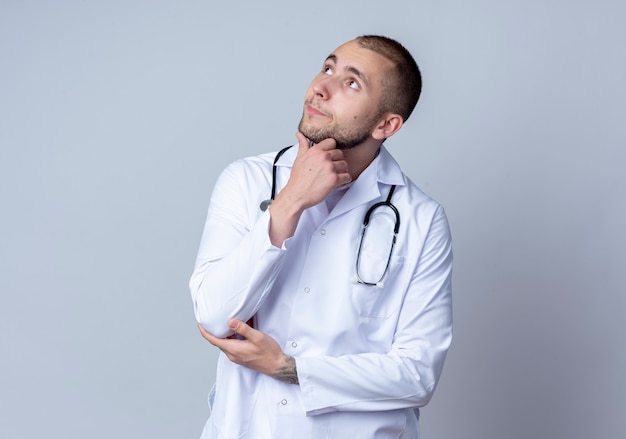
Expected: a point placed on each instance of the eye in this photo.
(327, 70)
(353, 84)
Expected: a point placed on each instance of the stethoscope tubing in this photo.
(366, 221)
(266, 203)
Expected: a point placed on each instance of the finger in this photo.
(340, 167)
(337, 156)
(209, 337)
(343, 178)
(327, 144)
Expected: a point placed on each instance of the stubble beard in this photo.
(345, 138)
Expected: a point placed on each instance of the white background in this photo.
(117, 116)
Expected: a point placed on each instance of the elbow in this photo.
(423, 376)
(420, 390)
(424, 396)
(212, 322)
(208, 315)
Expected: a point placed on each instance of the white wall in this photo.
(116, 117)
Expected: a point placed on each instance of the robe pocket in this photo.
(383, 300)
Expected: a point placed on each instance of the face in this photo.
(343, 100)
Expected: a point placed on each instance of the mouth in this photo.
(313, 111)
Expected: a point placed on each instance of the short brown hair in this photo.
(402, 89)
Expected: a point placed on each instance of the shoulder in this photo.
(252, 163)
(416, 195)
(421, 213)
(248, 169)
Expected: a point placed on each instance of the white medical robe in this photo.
(367, 356)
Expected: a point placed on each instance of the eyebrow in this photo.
(356, 72)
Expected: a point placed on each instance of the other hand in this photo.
(257, 351)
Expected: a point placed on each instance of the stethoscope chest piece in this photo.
(265, 204)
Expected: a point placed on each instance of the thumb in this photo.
(241, 328)
(303, 143)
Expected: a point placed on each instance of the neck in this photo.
(360, 157)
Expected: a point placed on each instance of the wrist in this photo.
(286, 372)
(284, 217)
(288, 205)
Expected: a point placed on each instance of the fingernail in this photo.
(234, 324)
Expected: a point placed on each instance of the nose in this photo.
(322, 87)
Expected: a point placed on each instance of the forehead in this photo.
(352, 56)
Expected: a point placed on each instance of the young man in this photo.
(327, 332)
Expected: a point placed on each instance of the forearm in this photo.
(368, 382)
(234, 285)
(285, 212)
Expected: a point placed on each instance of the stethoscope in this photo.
(265, 204)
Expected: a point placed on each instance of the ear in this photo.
(389, 124)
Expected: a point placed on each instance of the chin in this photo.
(311, 133)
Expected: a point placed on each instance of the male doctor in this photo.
(326, 332)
